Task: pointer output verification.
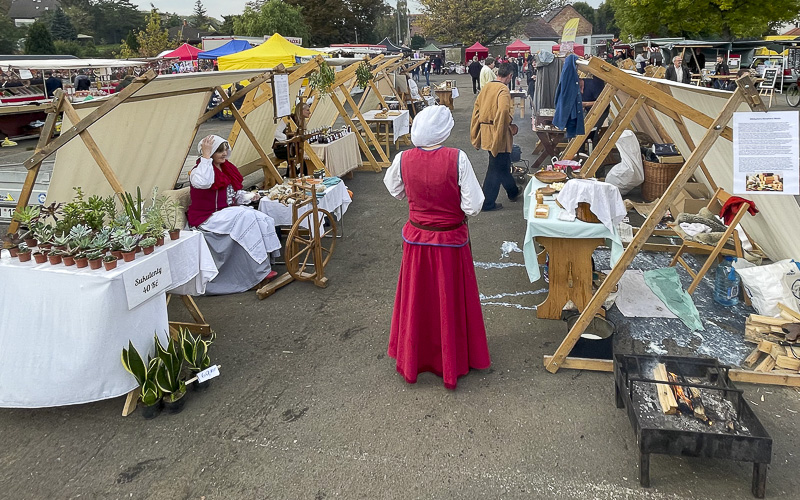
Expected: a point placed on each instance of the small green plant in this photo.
(322, 81)
(62, 240)
(364, 75)
(195, 350)
(134, 207)
(27, 215)
(147, 242)
(117, 236)
(109, 258)
(144, 373)
(101, 241)
(80, 231)
(44, 233)
(169, 213)
(23, 248)
(94, 254)
(128, 243)
(169, 371)
(83, 243)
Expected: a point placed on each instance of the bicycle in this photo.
(793, 94)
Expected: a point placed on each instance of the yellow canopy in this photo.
(277, 50)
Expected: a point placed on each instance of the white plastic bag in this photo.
(765, 286)
(629, 173)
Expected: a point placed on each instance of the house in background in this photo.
(557, 18)
(26, 12)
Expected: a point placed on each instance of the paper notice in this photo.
(766, 153)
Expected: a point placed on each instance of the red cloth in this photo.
(204, 202)
(437, 323)
(731, 208)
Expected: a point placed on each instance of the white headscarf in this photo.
(431, 126)
(215, 146)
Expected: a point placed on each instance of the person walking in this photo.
(492, 130)
(487, 72)
(514, 72)
(426, 70)
(437, 324)
(474, 71)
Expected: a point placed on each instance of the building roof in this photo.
(31, 9)
(538, 28)
(793, 32)
(187, 33)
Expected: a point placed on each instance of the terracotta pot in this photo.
(110, 265)
(40, 258)
(54, 259)
(117, 254)
(128, 256)
(160, 241)
(96, 263)
(81, 262)
(14, 251)
(45, 246)
(175, 234)
(138, 249)
(31, 242)
(69, 260)
(148, 250)
(24, 257)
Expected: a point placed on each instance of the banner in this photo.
(570, 30)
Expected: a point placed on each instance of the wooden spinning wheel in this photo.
(309, 244)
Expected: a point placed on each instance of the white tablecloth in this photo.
(400, 124)
(336, 199)
(341, 155)
(63, 328)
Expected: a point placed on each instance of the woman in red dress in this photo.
(437, 323)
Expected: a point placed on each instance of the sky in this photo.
(216, 8)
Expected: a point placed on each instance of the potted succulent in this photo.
(145, 375)
(195, 354)
(117, 236)
(61, 242)
(68, 255)
(169, 214)
(12, 241)
(81, 260)
(109, 262)
(128, 246)
(40, 257)
(148, 245)
(27, 217)
(94, 258)
(24, 252)
(44, 234)
(168, 376)
(55, 256)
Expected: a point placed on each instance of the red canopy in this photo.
(518, 48)
(185, 52)
(577, 49)
(476, 50)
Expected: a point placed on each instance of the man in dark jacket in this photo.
(474, 71)
(721, 69)
(51, 83)
(677, 71)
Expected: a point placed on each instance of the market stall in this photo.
(476, 49)
(185, 52)
(277, 50)
(518, 49)
(233, 47)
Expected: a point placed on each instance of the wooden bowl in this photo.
(546, 191)
(550, 176)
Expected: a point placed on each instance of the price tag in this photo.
(208, 374)
(147, 278)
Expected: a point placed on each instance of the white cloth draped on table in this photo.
(604, 198)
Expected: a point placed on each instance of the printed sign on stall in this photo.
(147, 278)
(766, 153)
(280, 91)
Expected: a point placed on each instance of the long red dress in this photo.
(437, 323)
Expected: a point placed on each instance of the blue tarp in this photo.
(231, 47)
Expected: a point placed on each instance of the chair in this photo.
(713, 251)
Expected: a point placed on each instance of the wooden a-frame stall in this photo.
(687, 121)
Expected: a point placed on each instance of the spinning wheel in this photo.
(310, 244)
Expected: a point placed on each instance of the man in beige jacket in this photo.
(491, 130)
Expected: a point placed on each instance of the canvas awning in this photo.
(185, 52)
(517, 48)
(277, 50)
(578, 49)
(232, 47)
(390, 47)
(430, 48)
(476, 50)
(67, 63)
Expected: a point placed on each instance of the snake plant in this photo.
(144, 373)
(169, 371)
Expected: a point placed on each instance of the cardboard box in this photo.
(674, 159)
(691, 199)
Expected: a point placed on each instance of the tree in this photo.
(417, 42)
(113, 19)
(484, 20)
(39, 40)
(9, 35)
(154, 39)
(132, 42)
(272, 17)
(586, 10)
(604, 21)
(61, 27)
(200, 18)
(337, 21)
(701, 18)
(226, 28)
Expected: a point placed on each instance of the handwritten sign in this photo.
(147, 278)
(280, 91)
(208, 374)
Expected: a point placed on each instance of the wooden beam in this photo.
(367, 128)
(591, 120)
(713, 132)
(666, 397)
(80, 125)
(768, 378)
(361, 143)
(234, 97)
(609, 139)
(595, 365)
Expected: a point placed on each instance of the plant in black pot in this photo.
(145, 374)
(195, 353)
(168, 376)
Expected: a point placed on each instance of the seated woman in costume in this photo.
(282, 150)
(437, 323)
(241, 238)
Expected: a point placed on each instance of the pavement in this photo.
(309, 406)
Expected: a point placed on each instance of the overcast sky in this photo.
(216, 8)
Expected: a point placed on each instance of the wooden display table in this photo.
(570, 272)
(518, 99)
(445, 98)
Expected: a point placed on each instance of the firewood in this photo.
(752, 358)
(766, 320)
(788, 362)
(697, 404)
(665, 396)
(788, 317)
(789, 311)
(767, 365)
(777, 350)
(765, 346)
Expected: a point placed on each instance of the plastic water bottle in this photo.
(726, 286)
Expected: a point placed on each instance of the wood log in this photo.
(765, 346)
(789, 312)
(777, 350)
(697, 403)
(788, 363)
(766, 320)
(669, 405)
(752, 358)
(766, 365)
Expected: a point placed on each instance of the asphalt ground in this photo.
(309, 406)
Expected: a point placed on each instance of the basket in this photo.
(657, 178)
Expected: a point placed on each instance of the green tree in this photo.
(604, 21)
(61, 27)
(586, 10)
(417, 42)
(701, 18)
(200, 18)
(273, 16)
(38, 40)
(337, 21)
(4, 6)
(9, 35)
(132, 42)
(154, 39)
(485, 20)
(113, 19)
(226, 28)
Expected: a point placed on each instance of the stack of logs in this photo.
(777, 344)
(675, 397)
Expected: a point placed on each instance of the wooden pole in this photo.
(362, 144)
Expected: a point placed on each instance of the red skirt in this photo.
(437, 323)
